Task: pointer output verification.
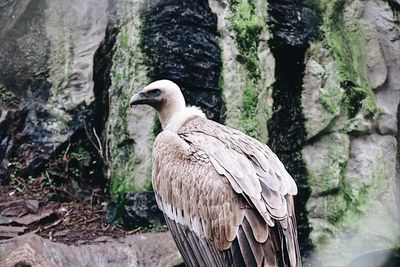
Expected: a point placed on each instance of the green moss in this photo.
(355, 199)
(121, 182)
(148, 185)
(120, 143)
(248, 26)
(123, 40)
(359, 98)
(345, 37)
(337, 212)
(248, 122)
(7, 98)
(329, 99)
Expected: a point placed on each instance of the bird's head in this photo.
(161, 95)
(164, 96)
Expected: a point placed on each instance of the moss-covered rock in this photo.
(46, 67)
(326, 159)
(360, 192)
(128, 130)
(245, 83)
(322, 94)
(7, 98)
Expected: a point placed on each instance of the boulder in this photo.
(150, 249)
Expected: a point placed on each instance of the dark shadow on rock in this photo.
(293, 24)
(141, 210)
(180, 39)
(135, 209)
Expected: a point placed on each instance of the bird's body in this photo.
(226, 197)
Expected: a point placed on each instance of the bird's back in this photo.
(225, 197)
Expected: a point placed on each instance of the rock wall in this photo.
(148, 249)
(316, 80)
(350, 152)
(46, 80)
(128, 135)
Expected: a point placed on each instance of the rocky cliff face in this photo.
(350, 152)
(317, 80)
(46, 82)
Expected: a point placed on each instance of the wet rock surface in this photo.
(385, 258)
(293, 24)
(181, 40)
(68, 67)
(46, 78)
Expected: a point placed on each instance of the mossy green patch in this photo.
(359, 99)
(123, 39)
(357, 197)
(120, 143)
(330, 98)
(326, 160)
(248, 26)
(8, 98)
(345, 37)
(249, 121)
(121, 182)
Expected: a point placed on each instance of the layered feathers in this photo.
(226, 197)
(230, 192)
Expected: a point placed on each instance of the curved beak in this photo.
(141, 98)
(137, 99)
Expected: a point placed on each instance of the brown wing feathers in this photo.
(207, 186)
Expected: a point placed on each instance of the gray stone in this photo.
(325, 160)
(141, 210)
(387, 124)
(322, 94)
(234, 72)
(150, 249)
(129, 130)
(47, 65)
(387, 37)
(361, 215)
(372, 163)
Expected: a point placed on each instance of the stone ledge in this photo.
(149, 249)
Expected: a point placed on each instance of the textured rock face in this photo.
(292, 25)
(180, 39)
(151, 249)
(175, 40)
(46, 77)
(326, 102)
(128, 131)
(350, 100)
(248, 64)
(141, 210)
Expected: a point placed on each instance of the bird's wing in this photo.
(211, 224)
(253, 171)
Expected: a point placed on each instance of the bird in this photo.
(226, 197)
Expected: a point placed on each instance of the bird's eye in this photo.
(154, 92)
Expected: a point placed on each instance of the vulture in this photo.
(226, 197)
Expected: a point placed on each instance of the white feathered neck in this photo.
(173, 113)
(176, 119)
